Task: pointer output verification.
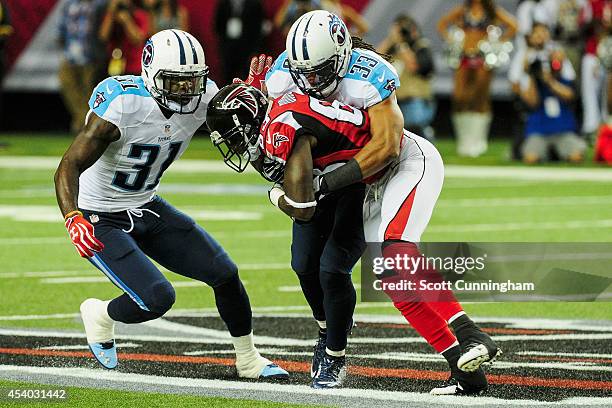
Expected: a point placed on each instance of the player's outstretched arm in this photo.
(86, 148)
(296, 198)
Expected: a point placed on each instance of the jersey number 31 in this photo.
(137, 151)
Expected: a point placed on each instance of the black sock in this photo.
(339, 301)
(311, 287)
(452, 356)
(461, 323)
(234, 307)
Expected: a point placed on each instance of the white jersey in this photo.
(128, 173)
(369, 80)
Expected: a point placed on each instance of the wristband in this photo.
(72, 214)
(275, 194)
(343, 176)
(295, 204)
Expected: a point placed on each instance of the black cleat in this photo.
(319, 353)
(331, 373)
(462, 383)
(477, 347)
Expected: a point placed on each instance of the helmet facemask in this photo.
(320, 81)
(239, 145)
(180, 91)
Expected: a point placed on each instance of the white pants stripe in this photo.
(399, 206)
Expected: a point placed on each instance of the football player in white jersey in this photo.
(106, 187)
(323, 61)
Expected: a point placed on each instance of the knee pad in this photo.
(220, 271)
(162, 298)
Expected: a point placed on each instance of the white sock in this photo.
(99, 326)
(322, 324)
(455, 316)
(332, 353)
(249, 362)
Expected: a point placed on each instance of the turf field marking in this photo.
(544, 353)
(299, 288)
(41, 274)
(86, 347)
(191, 166)
(290, 391)
(520, 226)
(525, 201)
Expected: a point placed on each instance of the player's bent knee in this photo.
(220, 271)
(163, 297)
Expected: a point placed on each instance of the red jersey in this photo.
(340, 130)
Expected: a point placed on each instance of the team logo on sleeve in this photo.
(100, 99)
(241, 97)
(390, 85)
(147, 54)
(337, 29)
(278, 139)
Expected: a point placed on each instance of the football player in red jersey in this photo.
(295, 136)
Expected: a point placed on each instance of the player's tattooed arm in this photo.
(299, 199)
(84, 151)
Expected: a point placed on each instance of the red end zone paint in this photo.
(297, 366)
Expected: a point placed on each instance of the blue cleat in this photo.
(273, 371)
(318, 353)
(105, 354)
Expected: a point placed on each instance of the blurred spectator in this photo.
(567, 31)
(167, 14)
(6, 29)
(238, 24)
(471, 98)
(414, 63)
(547, 90)
(596, 19)
(291, 10)
(125, 28)
(355, 21)
(78, 72)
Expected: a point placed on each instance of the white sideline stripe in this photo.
(299, 288)
(450, 171)
(49, 213)
(44, 274)
(434, 229)
(215, 336)
(85, 347)
(520, 226)
(555, 354)
(103, 279)
(525, 201)
(287, 389)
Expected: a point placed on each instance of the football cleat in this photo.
(477, 348)
(100, 331)
(331, 372)
(462, 383)
(319, 353)
(261, 368)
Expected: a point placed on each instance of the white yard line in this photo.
(453, 171)
(557, 354)
(285, 389)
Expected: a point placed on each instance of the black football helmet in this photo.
(234, 117)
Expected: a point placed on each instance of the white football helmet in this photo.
(174, 70)
(319, 50)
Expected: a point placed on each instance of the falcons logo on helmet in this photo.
(241, 97)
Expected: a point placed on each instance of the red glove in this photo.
(82, 234)
(257, 72)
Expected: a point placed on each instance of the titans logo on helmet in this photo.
(100, 99)
(337, 29)
(147, 54)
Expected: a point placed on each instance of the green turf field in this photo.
(41, 274)
(85, 397)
